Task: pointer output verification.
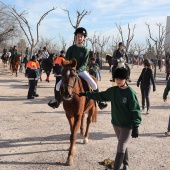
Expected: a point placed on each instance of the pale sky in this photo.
(104, 15)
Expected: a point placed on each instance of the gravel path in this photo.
(35, 137)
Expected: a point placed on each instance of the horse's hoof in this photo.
(70, 162)
(86, 140)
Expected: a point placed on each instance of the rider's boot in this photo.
(57, 102)
(40, 78)
(48, 79)
(102, 105)
(126, 161)
(118, 161)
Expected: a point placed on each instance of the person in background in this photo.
(93, 68)
(45, 53)
(13, 54)
(32, 72)
(117, 55)
(57, 68)
(40, 51)
(99, 62)
(125, 113)
(165, 94)
(25, 61)
(27, 52)
(144, 80)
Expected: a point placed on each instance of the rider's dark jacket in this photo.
(57, 65)
(117, 55)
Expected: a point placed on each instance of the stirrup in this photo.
(54, 104)
(102, 105)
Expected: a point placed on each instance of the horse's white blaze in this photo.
(68, 72)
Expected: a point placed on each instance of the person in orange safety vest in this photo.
(57, 67)
(32, 72)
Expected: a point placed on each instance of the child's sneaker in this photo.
(167, 133)
(148, 111)
(143, 109)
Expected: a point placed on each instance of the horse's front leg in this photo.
(16, 73)
(73, 137)
(40, 74)
(89, 120)
(82, 125)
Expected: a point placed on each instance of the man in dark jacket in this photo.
(117, 55)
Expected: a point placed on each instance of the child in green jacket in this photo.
(166, 91)
(125, 113)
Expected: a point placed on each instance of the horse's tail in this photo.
(95, 113)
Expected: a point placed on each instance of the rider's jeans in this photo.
(85, 75)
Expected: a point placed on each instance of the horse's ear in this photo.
(73, 62)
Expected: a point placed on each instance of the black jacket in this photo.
(117, 55)
(146, 77)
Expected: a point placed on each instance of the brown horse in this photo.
(75, 106)
(109, 60)
(15, 64)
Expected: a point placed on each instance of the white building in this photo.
(167, 37)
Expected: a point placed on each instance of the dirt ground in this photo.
(34, 136)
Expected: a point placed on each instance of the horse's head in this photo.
(69, 78)
(108, 57)
(18, 58)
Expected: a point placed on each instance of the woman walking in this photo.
(145, 79)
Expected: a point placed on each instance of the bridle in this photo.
(72, 86)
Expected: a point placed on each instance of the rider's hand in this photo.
(82, 94)
(138, 84)
(154, 88)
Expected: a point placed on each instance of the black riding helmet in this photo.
(34, 57)
(121, 73)
(81, 30)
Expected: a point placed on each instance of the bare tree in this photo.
(8, 25)
(80, 16)
(129, 38)
(132, 51)
(139, 48)
(158, 42)
(47, 42)
(63, 42)
(150, 53)
(102, 41)
(21, 45)
(114, 43)
(24, 25)
(93, 41)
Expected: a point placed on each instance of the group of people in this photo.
(125, 109)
